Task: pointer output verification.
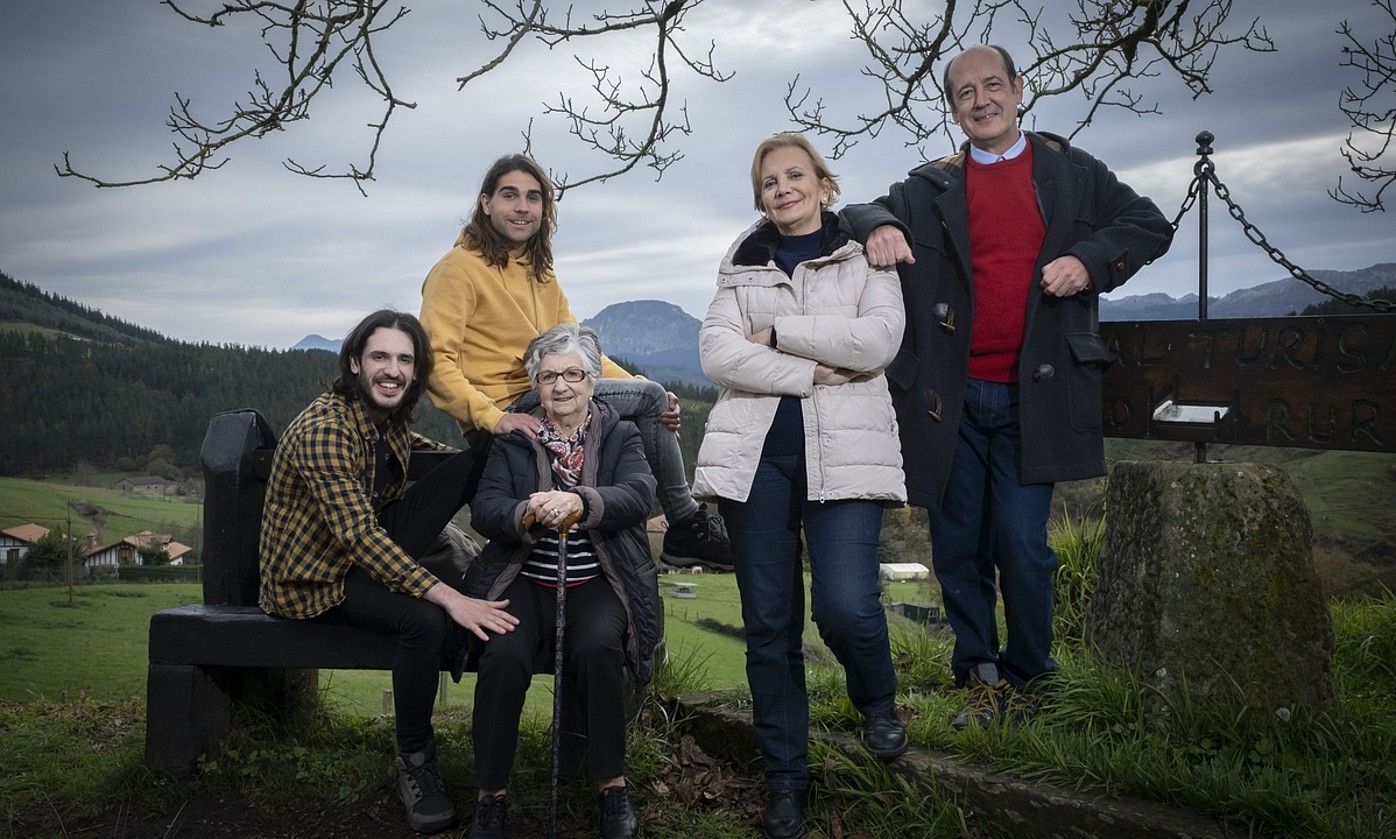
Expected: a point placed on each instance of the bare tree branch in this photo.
(1102, 49)
(309, 40)
(634, 122)
(1370, 105)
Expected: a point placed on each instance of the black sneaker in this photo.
(699, 539)
(884, 737)
(488, 821)
(1022, 705)
(617, 816)
(419, 786)
(987, 697)
(785, 814)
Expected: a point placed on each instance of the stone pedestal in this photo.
(1207, 585)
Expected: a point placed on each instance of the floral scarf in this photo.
(567, 452)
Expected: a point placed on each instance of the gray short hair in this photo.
(561, 339)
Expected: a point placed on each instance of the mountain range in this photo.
(1267, 300)
(662, 339)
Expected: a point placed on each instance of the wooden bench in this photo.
(208, 658)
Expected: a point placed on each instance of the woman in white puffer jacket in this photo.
(803, 438)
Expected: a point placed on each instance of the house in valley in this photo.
(15, 541)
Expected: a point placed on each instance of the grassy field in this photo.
(46, 503)
(97, 647)
(21, 328)
(1306, 773)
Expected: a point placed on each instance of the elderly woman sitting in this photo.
(586, 465)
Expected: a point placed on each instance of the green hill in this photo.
(80, 388)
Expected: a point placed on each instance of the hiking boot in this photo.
(419, 786)
(987, 697)
(785, 811)
(884, 737)
(699, 539)
(617, 816)
(488, 821)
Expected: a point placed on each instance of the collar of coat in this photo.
(603, 418)
(758, 247)
(946, 170)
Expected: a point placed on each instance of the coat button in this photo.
(1043, 371)
(936, 406)
(946, 316)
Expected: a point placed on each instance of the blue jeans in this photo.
(841, 537)
(989, 520)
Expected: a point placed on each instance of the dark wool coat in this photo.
(1087, 213)
(618, 488)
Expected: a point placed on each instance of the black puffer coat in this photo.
(619, 489)
(1089, 214)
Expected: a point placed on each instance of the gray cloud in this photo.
(255, 255)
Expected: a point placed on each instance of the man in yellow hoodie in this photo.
(492, 293)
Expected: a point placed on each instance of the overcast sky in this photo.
(252, 254)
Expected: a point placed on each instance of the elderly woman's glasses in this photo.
(571, 374)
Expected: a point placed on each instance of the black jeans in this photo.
(593, 671)
(425, 635)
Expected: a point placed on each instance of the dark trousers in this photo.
(425, 635)
(989, 521)
(593, 671)
(842, 538)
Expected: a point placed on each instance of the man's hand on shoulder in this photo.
(479, 616)
(1064, 276)
(527, 423)
(886, 246)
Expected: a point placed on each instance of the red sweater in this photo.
(1005, 237)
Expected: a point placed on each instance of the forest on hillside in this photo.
(67, 403)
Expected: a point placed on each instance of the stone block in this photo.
(1207, 586)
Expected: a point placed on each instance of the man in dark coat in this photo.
(1002, 250)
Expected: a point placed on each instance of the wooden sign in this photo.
(1311, 382)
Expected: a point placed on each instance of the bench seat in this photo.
(244, 636)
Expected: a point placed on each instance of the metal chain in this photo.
(1188, 201)
(1206, 171)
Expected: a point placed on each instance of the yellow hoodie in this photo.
(480, 319)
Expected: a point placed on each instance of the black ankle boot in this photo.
(785, 812)
(618, 819)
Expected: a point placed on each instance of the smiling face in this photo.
(564, 402)
(385, 370)
(515, 208)
(985, 99)
(792, 195)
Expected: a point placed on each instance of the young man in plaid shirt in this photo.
(341, 536)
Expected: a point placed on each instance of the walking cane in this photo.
(559, 626)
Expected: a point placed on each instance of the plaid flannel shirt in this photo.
(320, 517)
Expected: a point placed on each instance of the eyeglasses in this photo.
(571, 374)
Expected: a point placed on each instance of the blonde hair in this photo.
(792, 140)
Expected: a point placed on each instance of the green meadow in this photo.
(120, 514)
(96, 647)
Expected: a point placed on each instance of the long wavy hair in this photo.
(347, 382)
(481, 235)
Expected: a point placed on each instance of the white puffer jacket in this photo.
(836, 310)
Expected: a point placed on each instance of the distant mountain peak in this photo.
(318, 342)
(658, 336)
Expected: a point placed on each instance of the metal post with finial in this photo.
(1203, 169)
